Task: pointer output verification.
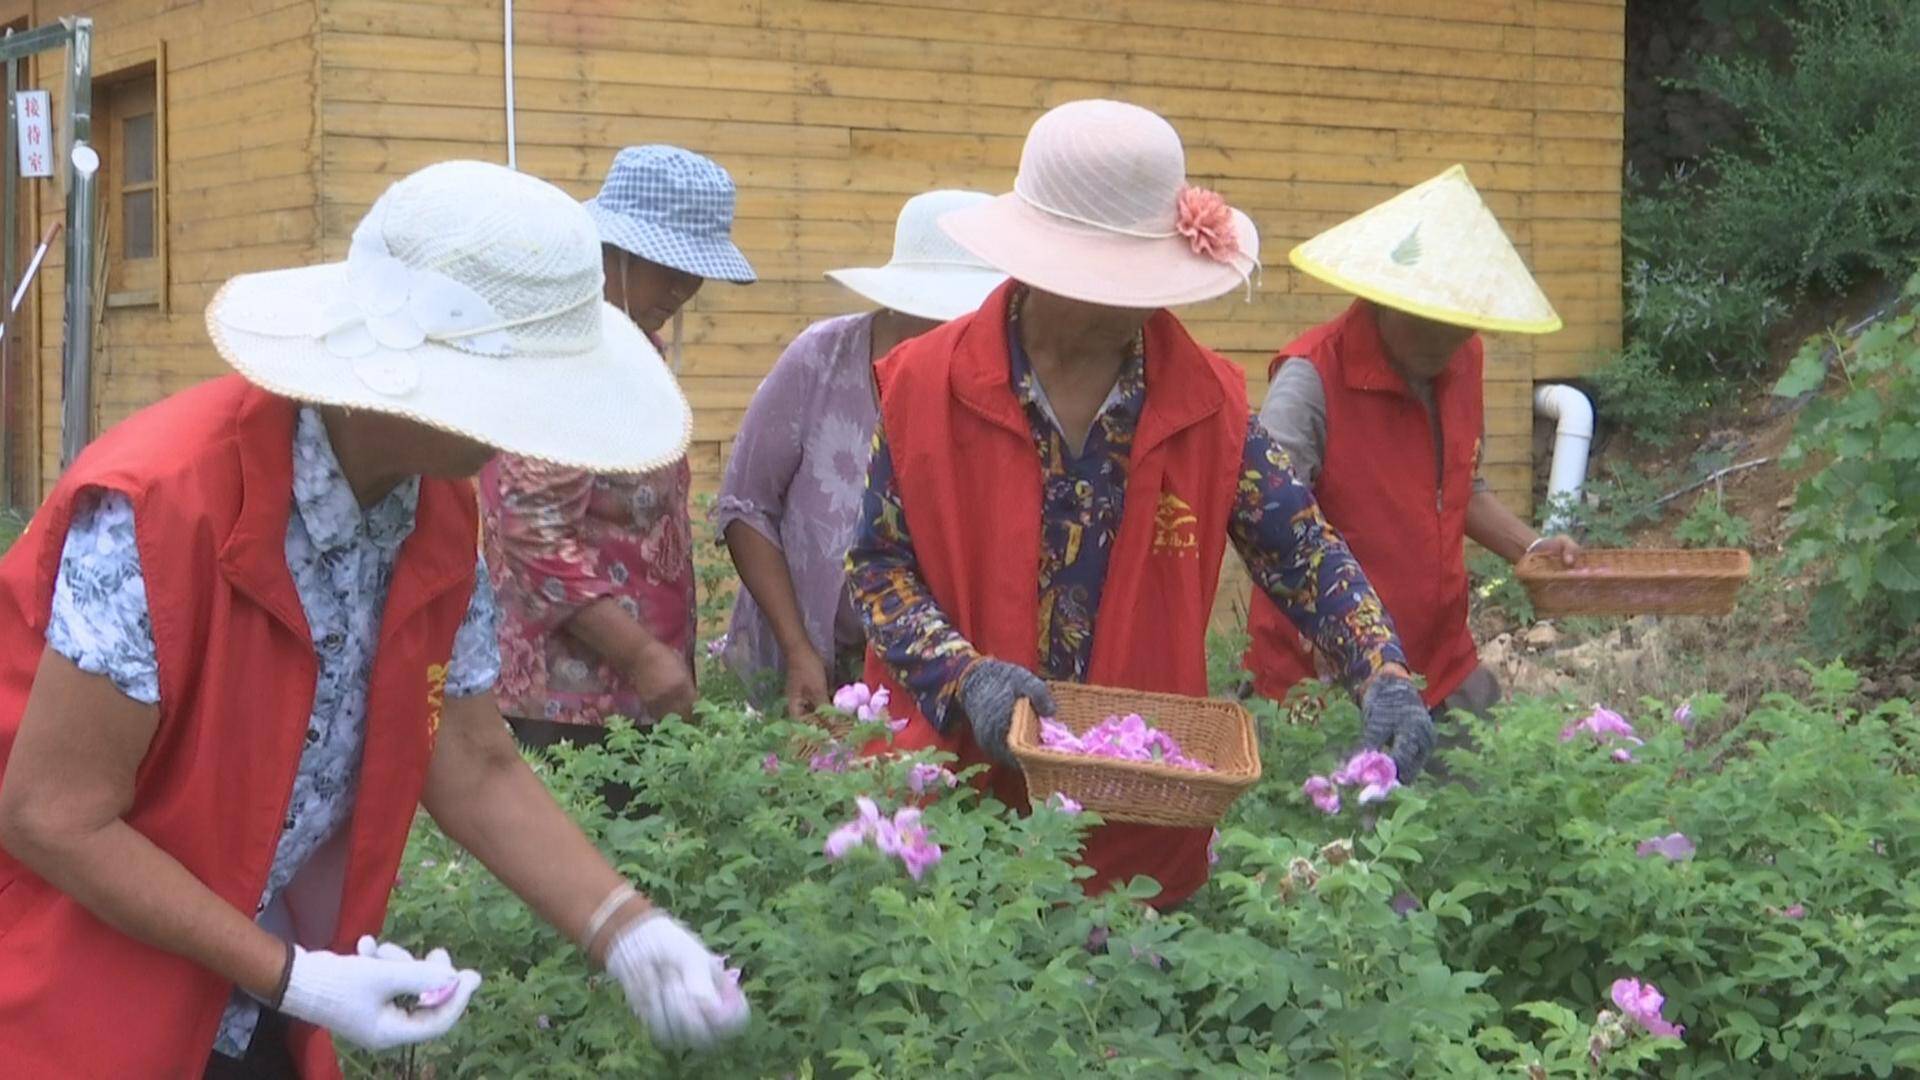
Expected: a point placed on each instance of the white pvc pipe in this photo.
(1572, 438)
(513, 156)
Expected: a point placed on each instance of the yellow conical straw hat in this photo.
(1435, 251)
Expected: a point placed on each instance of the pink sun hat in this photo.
(1101, 212)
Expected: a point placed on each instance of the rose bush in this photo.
(1505, 923)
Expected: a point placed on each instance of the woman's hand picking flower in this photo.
(1397, 721)
(357, 997)
(686, 994)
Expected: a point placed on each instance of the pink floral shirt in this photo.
(560, 539)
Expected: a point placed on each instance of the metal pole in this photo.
(11, 223)
(76, 416)
(9, 237)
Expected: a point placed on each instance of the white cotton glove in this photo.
(682, 991)
(353, 996)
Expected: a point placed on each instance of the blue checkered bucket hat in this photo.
(673, 207)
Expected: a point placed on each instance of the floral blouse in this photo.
(798, 471)
(1290, 550)
(342, 563)
(560, 539)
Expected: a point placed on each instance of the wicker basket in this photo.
(1219, 733)
(1640, 581)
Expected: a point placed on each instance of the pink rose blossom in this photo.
(1795, 911)
(1064, 803)
(1324, 794)
(844, 839)
(1684, 714)
(1606, 726)
(902, 837)
(834, 759)
(926, 776)
(1674, 846)
(1642, 1003)
(851, 697)
(770, 764)
(1374, 773)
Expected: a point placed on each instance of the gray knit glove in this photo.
(988, 692)
(1393, 713)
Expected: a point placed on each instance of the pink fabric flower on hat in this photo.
(1206, 221)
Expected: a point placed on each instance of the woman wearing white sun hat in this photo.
(792, 491)
(1380, 410)
(1071, 427)
(247, 637)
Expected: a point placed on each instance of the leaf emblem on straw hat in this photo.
(1407, 251)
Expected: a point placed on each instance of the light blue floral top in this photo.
(342, 562)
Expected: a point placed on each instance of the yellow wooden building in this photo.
(247, 134)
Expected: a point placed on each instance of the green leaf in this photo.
(1803, 376)
(1898, 568)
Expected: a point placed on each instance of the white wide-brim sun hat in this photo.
(1435, 250)
(470, 302)
(1101, 212)
(929, 276)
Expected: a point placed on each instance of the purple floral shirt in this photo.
(797, 476)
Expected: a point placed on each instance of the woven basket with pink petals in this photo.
(1219, 734)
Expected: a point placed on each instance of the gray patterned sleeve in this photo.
(476, 650)
(100, 619)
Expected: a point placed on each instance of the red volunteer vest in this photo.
(209, 472)
(1377, 487)
(970, 484)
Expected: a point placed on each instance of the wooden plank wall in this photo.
(241, 115)
(830, 113)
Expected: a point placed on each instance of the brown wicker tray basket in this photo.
(1219, 733)
(1638, 581)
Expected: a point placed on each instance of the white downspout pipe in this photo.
(1571, 440)
(513, 153)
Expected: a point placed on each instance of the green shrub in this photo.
(1709, 524)
(1827, 186)
(1786, 944)
(1495, 586)
(1454, 931)
(1643, 392)
(1692, 316)
(1614, 502)
(1856, 521)
(1822, 188)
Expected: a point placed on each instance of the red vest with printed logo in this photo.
(209, 473)
(970, 483)
(1403, 515)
